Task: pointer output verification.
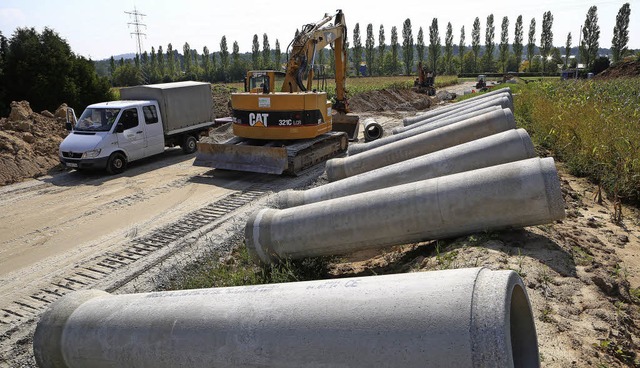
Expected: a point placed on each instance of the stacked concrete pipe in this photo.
(500, 100)
(454, 318)
(509, 146)
(420, 144)
(447, 109)
(512, 195)
(372, 130)
(439, 122)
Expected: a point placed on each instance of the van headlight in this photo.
(91, 154)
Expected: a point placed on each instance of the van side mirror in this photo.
(68, 126)
(119, 128)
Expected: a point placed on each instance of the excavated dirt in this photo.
(625, 68)
(29, 142)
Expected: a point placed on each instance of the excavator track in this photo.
(271, 157)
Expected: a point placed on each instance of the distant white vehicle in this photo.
(109, 135)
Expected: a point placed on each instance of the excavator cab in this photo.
(262, 81)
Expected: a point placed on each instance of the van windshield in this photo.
(97, 119)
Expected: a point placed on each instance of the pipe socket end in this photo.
(258, 237)
(552, 188)
(47, 339)
(527, 143)
(289, 198)
(335, 169)
(502, 327)
(354, 149)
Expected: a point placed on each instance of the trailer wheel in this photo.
(117, 163)
(190, 144)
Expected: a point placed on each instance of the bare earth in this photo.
(70, 231)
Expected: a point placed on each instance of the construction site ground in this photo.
(66, 230)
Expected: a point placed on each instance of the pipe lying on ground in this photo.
(509, 146)
(512, 195)
(471, 317)
(501, 101)
(439, 122)
(418, 145)
(438, 111)
(372, 130)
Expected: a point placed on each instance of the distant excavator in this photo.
(295, 128)
(426, 81)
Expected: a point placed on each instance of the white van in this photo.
(109, 135)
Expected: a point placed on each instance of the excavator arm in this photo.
(304, 48)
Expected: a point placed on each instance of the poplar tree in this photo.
(394, 50)
(277, 54)
(461, 48)
(620, 40)
(531, 45)
(161, 64)
(381, 48)
(546, 38)
(186, 54)
(590, 38)
(489, 44)
(475, 42)
(224, 56)
(407, 46)
(357, 48)
(420, 46)
(266, 52)
(567, 50)
(255, 53)
(517, 41)
(206, 63)
(435, 46)
(171, 61)
(448, 49)
(504, 44)
(369, 49)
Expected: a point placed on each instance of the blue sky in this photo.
(99, 28)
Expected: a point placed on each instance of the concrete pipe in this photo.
(512, 195)
(439, 122)
(471, 317)
(372, 130)
(418, 145)
(501, 101)
(509, 146)
(456, 105)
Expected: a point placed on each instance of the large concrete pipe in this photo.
(372, 130)
(470, 317)
(457, 105)
(500, 100)
(509, 146)
(418, 145)
(439, 122)
(516, 194)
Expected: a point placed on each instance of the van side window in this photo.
(129, 118)
(150, 114)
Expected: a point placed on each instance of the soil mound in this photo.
(623, 69)
(389, 100)
(29, 142)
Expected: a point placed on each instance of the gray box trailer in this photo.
(183, 105)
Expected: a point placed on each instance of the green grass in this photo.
(356, 85)
(592, 125)
(239, 270)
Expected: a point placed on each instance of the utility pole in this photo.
(137, 18)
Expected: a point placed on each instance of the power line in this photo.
(137, 18)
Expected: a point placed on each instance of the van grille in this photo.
(71, 154)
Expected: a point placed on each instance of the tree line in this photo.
(41, 67)
(398, 57)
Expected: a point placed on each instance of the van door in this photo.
(154, 135)
(131, 139)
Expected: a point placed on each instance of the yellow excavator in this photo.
(289, 130)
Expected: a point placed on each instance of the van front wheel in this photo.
(190, 144)
(117, 163)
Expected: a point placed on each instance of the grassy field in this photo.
(592, 125)
(356, 85)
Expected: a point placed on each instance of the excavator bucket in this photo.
(235, 155)
(348, 123)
